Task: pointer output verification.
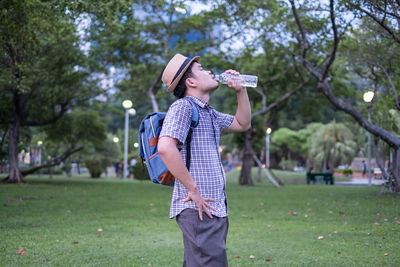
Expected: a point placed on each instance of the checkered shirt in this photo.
(205, 162)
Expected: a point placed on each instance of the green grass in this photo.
(287, 177)
(47, 218)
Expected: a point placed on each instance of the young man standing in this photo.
(202, 190)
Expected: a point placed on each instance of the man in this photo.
(364, 168)
(202, 190)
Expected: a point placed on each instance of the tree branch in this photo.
(48, 121)
(285, 97)
(335, 40)
(386, 12)
(382, 24)
(3, 138)
(395, 95)
(385, 135)
(54, 161)
(304, 44)
(277, 76)
(263, 99)
(324, 86)
(6, 122)
(150, 92)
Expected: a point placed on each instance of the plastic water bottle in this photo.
(247, 80)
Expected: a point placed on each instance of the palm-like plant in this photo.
(332, 144)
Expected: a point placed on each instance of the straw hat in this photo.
(175, 69)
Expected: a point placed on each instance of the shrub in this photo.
(140, 173)
(288, 164)
(94, 165)
(347, 172)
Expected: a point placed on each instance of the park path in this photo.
(361, 182)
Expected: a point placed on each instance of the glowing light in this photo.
(127, 104)
(368, 96)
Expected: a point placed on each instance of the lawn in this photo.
(106, 222)
(287, 177)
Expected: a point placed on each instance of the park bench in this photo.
(377, 172)
(316, 176)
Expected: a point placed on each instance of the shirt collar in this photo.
(198, 101)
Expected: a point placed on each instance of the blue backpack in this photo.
(149, 131)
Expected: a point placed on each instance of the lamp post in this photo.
(40, 143)
(127, 104)
(367, 97)
(268, 133)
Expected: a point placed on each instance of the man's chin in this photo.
(216, 85)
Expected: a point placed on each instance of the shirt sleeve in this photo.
(177, 121)
(223, 120)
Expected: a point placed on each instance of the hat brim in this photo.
(171, 88)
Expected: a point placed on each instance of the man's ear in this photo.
(191, 82)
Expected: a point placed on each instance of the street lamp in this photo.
(268, 133)
(367, 97)
(115, 139)
(127, 104)
(40, 143)
(180, 10)
(132, 111)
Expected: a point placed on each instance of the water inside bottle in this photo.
(248, 80)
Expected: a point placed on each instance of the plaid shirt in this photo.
(205, 162)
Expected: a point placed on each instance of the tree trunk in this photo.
(259, 168)
(324, 164)
(379, 159)
(14, 175)
(248, 162)
(154, 103)
(396, 170)
(332, 161)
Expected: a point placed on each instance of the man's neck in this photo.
(205, 97)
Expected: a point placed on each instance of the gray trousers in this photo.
(204, 241)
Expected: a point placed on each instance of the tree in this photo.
(332, 145)
(42, 74)
(287, 140)
(279, 80)
(101, 155)
(321, 73)
(384, 13)
(140, 36)
(78, 131)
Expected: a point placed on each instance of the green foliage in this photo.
(40, 60)
(140, 173)
(94, 165)
(332, 144)
(81, 126)
(347, 171)
(288, 164)
(287, 137)
(101, 155)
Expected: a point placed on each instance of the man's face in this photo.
(205, 78)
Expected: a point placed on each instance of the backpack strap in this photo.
(193, 124)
